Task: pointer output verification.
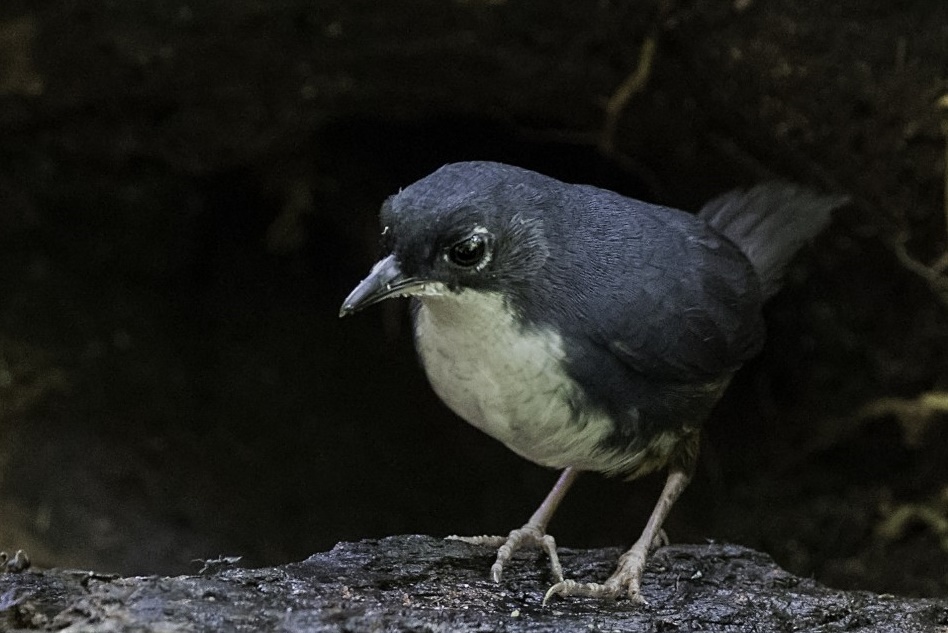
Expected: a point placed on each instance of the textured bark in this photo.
(418, 583)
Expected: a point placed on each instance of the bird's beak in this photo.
(385, 280)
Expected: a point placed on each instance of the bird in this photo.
(585, 330)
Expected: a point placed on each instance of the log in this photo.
(420, 583)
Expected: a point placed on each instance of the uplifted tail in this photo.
(769, 223)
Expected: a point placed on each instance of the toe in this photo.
(496, 571)
(608, 591)
(559, 589)
(549, 544)
(660, 540)
(488, 541)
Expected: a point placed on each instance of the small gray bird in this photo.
(583, 329)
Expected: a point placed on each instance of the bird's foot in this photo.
(527, 536)
(627, 579)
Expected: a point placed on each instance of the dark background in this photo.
(187, 193)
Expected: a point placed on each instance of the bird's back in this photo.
(665, 305)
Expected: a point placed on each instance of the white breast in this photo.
(509, 382)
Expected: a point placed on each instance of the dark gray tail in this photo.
(770, 223)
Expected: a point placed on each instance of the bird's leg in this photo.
(628, 575)
(532, 534)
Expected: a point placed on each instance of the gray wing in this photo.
(657, 310)
(679, 302)
(696, 312)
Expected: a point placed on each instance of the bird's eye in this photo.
(468, 252)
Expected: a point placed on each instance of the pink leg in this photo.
(628, 575)
(532, 534)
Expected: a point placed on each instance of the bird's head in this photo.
(468, 226)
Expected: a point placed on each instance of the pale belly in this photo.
(510, 383)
